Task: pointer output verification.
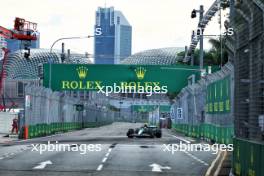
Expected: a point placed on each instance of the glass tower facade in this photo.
(113, 42)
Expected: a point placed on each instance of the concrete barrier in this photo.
(6, 120)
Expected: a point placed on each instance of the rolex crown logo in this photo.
(82, 72)
(142, 109)
(140, 72)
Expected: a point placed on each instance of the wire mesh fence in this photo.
(207, 107)
(248, 22)
(48, 112)
(247, 19)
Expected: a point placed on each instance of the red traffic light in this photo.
(193, 14)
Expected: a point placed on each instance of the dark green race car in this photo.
(145, 131)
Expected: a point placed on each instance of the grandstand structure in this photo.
(160, 56)
(21, 71)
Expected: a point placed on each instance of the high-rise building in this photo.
(14, 44)
(113, 36)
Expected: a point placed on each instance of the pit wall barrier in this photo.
(218, 134)
(248, 158)
(40, 130)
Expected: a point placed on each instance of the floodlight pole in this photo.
(201, 11)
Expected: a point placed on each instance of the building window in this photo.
(118, 20)
(112, 18)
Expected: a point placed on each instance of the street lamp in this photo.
(69, 38)
(64, 38)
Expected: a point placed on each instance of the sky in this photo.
(155, 23)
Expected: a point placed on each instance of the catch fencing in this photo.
(205, 109)
(48, 112)
(247, 19)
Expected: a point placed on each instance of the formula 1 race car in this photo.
(145, 131)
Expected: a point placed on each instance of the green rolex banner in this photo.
(94, 77)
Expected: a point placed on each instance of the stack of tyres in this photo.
(30, 131)
(63, 127)
(181, 126)
(217, 134)
(51, 128)
(67, 126)
(55, 127)
(207, 131)
(37, 130)
(47, 129)
(212, 132)
(223, 136)
(186, 129)
(34, 130)
(189, 130)
(58, 127)
(228, 135)
(42, 130)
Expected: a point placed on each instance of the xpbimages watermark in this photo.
(57, 147)
(187, 147)
(133, 88)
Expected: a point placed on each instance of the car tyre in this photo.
(158, 133)
(130, 133)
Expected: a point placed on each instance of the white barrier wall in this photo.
(6, 120)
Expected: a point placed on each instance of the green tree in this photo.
(216, 50)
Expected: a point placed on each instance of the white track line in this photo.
(100, 167)
(209, 170)
(184, 140)
(220, 164)
(195, 158)
(104, 159)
